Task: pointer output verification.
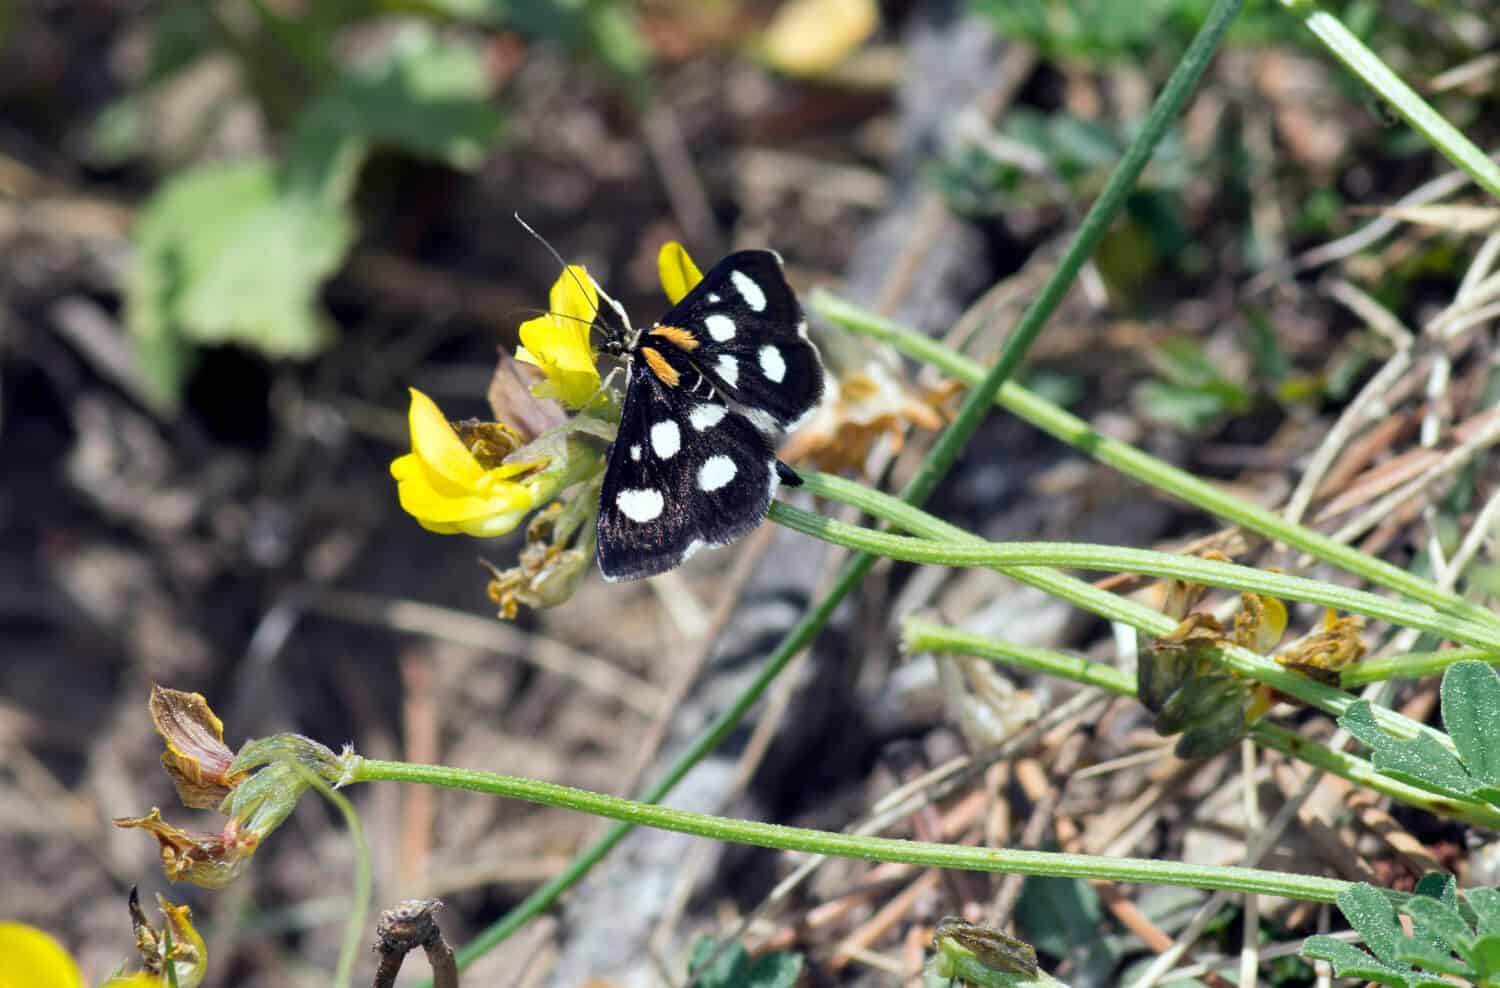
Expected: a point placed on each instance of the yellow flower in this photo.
(677, 271)
(558, 341)
(29, 957)
(443, 485)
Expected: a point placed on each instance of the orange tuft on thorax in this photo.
(678, 337)
(664, 371)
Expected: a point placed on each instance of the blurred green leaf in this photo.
(1183, 407)
(603, 29)
(1271, 364)
(1192, 393)
(225, 255)
(734, 969)
(423, 95)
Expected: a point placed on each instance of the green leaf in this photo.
(733, 968)
(1484, 954)
(424, 95)
(1184, 407)
(1271, 363)
(779, 969)
(1430, 958)
(1373, 918)
(604, 29)
(225, 255)
(1438, 885)
(1420, 761)
(1350, 962)
(1486, 905)
(1471, 713)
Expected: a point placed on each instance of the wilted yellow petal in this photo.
(810, 37)
(209, 860)
(677, 271)
(30, 958)
(196, 758)
(189, 952)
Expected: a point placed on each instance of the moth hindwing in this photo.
(711, 388)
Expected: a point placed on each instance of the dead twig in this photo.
(401, 930)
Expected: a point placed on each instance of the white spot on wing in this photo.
(715, 473)
(772, 364)
(640, 505)
(666, 439)
(720, 327)
(729, 370)
(713, 297)
(754, 297)
(635, 451)
(707, 416)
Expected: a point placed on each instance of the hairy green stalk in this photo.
(863, 848)
(1141, 466)
(919, 635)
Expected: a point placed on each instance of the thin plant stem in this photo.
(857, 847)
(1375, 74)
(919, 635)
(1412, 665)
(1110, 606)
(1118, 559)
(354, 927)
(933, 468)
(1141, 466)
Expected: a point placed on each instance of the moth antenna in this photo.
(532, 310)
(619, 309)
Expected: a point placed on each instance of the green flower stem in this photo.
(1375, 74)
(1091, 598)
(1118, 559)
(986, 385)
(1412, 665)
(863, 848)
(920, 635)
(1148, 469)
(364, 883)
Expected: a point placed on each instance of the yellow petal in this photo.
(678, 272)
(811, 37)
(574, 299)
(30, 958)
(446, 459)
(561, 349)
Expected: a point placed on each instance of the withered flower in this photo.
(209, 860)
(1177, 678)
(196, 758)
(177, 945)
(1325, 653)
(549, 569)
(256, 789)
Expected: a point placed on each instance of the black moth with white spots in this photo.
(712, 388)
